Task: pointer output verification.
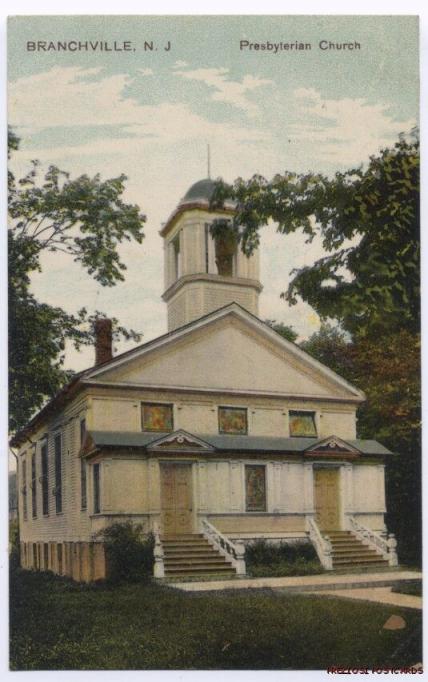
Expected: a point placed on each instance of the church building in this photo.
(216, 434)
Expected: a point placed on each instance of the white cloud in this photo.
(70, 97)
(345, 131)
(179, 64)
(146, 72)
(228, 91)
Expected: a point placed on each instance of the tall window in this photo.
(83, 488)
(207, 247)
(46, 556)
(58, 473)
(45, 479)
(24, 488)
(156, 417)
(232, 420)
(302, 424)
(33, 484)
(176, 250)
(59, 557)
(96, 472)
(255, 487)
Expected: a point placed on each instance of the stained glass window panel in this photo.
(156, 417)
(232, 420)
(255, 487)
(302, 424)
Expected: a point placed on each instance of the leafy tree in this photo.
(331, 346)
(284, 330)
(368, 223)
(85, 218)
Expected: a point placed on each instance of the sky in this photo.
(151, 115)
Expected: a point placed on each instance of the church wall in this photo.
(338, 423)
(196, 417)
(216, 295)
(118, 414)
(177, 310)
(198, 414)
(369, 488)
(221, 486)
(126, 486)
(71, 523)
(199, 298)
(375, 522)
(248, 527)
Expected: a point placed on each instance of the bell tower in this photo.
(203, 274)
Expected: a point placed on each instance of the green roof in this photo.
(227, 443)
(201, 190)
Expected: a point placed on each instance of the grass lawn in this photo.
(57, 624)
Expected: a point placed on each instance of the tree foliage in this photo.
(85, 218)
(284, 330)
(368, 224)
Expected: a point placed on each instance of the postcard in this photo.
(214, 343)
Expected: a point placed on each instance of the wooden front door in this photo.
(327, 512)
(176, 498)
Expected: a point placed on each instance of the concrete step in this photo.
(354, 550)
(190, 550)
(202, 564)
(204, 570)
(348, 545)
(359, 560)
(184, 536)
(191, 555)
(192, 559)
(356, 557)
(186, 545)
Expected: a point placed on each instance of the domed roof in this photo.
(199, 191)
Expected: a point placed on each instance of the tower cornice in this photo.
(194, 206)
(206, 277)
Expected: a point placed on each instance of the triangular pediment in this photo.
(332, 446)
(180, 441)
(228, 350)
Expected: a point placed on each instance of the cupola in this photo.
(203, 274)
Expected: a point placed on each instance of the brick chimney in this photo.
(103, 340)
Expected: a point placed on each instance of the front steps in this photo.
(191, 556)
(350, 553)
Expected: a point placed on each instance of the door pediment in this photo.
(180, 441)
(332, 447)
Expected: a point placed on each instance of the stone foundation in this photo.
(81, 561)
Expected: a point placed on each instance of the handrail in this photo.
(321, 543)
(235, 552)
(386, 545)
(158, 553)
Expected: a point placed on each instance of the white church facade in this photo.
(211, 436)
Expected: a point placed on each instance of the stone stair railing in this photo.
(234, 551)
(322, 545)
(385, 545)
(158, 553)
